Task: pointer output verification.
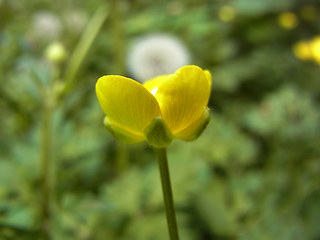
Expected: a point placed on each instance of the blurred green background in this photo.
(253, 174)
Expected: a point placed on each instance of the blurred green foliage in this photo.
(253, 174)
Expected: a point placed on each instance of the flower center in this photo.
(154, 91)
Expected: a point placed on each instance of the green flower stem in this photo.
(121, 157)
(47, 169)
(167, 193)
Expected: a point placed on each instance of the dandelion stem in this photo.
(167, 193)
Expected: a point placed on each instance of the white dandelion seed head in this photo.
(46, 26)
(155, 55)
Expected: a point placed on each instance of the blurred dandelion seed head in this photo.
(227, 13)
(156, 54)
(46, 26)
(287, 20)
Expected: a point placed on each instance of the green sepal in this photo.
(158, 134)
(122, 134)
(194, 131)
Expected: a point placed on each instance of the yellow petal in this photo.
(127, 103)
(121, 134)
(153, 84)
(196, 128)
(208, 75)
(183, 97)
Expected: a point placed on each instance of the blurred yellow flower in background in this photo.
(287, 20)
(315, 48)
(302, 50)
(166, 107)
(308, 12)
(308, 50)
(227, 13)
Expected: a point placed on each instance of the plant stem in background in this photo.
(83, 47)
(118, 36)
(47, 168)
(167, 193)
(48, 173)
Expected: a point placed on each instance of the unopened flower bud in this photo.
(56, 52)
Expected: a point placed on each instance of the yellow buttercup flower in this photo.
(227, 13)
(315, 48)
(287, 20)
(166, 107)
(302, 50)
